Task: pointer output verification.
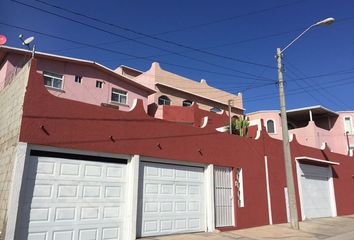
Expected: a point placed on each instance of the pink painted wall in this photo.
(85, 91)
(339, 133)
(271, 115)
(311, 135)
(10, 67)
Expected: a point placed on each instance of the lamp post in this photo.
(294, 223)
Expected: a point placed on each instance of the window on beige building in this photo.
(187, 103)
(215, 110)
(164, 100)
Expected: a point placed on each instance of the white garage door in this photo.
(171, 199)
(72, 199)
(315, 191)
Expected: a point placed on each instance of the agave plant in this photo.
(240, 126)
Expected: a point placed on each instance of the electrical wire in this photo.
(144, 43)
(316, 87)
(153, 36)
(336, 83)
(131, 55)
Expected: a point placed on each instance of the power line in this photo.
(228, 18)
(317, 87)
(308, 92)
(147, 44)
(336, 83)
(131, 55)
(268, 36)
(171, 31)
(254, 87)
(124, 53)
(340, 72)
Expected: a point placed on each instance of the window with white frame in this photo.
(270, 126)
(119, 96)
(53, 80)
(99, 84)
(78, 79)
(348, 125)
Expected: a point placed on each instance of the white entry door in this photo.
(171, 199)
(72, 199)
(316, 191)
(224, 207)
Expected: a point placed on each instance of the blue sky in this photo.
(229, 43)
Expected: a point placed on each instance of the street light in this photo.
(294, 223)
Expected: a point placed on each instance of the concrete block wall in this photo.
(11, 102)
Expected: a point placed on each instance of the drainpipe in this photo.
(229, 102)
(310, 112)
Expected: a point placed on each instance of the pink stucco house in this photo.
(313, 126)
(76, 79)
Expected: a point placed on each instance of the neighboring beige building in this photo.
(175, 90)
(11, 102)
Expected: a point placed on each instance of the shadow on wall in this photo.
(152, 108)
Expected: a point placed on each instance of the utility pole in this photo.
(294, 223)
(230, 119)
(284, 122)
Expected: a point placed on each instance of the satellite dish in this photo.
(3, 40)
(27, 41)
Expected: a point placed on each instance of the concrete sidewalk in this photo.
(338, 228)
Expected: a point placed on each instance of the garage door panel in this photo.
(68, 190)
(89, 232)
(161, 226)
(171, 199)
(73, 199)
(315, 188)
(312, 170)
(173, 172)
(69, 170)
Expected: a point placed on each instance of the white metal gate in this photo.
(224, 208)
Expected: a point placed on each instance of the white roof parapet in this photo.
(312, 108)
(263, 111)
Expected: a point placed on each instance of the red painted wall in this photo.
(194, 115)
(52, 121)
